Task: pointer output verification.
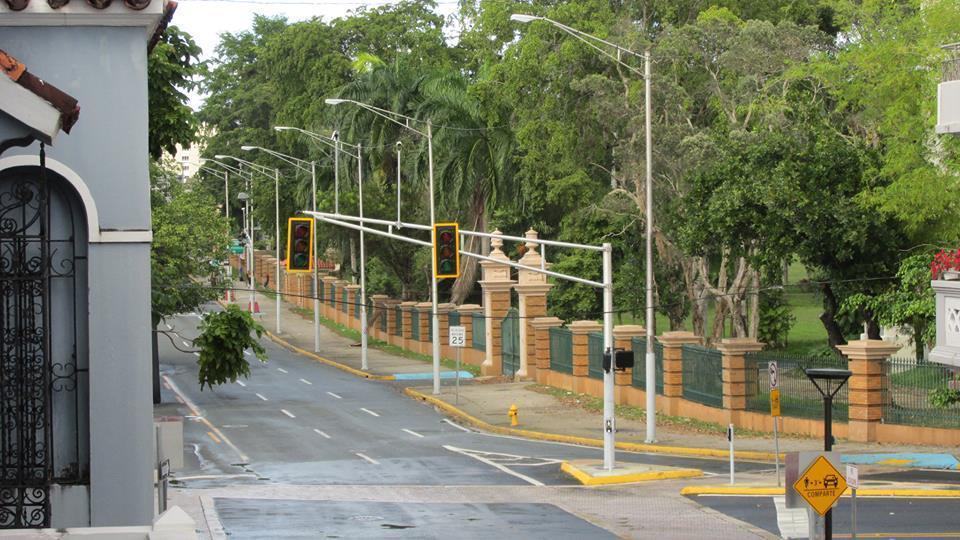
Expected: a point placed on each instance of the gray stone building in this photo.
(75, 383)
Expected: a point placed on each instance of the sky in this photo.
(205, 20)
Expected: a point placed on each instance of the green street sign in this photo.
(236, 249)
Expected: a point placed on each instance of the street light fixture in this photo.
(650, 323)
(297, 162)
(828, 382)
(393, 117)
(276, 187)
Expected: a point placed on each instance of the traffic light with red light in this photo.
(446, 250)
(300, 245)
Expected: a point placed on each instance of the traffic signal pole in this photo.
(609, 416)
(363, 267)
(433, 279)
(276, 286)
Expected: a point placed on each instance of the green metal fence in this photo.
(453, 318)
(356, 305)
(702, 372)
(383, 318)
(320, 290)
(344, 300)
(595, 355)
(909, 391)
(398, 316)
(639, 377)
(561, 350)
(415, 324)
(798, 396)
(333, 295)
(479, 331)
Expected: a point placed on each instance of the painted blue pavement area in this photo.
(429, 375)
(905, 459)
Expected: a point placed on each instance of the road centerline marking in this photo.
(261, 396)
(414, 433)
(281, 370)
(334, 395)
(288, 413)
(322, 434)
(368, 411)
(304, 381)
(368, 458)
(241, 383)
(214, 437)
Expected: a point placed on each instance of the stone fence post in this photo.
(736, 379)
(496, 285)
(532, 289)
(673, 343)
(866, 361)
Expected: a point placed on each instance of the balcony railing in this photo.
(951, 66)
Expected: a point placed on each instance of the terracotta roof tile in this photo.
(68, 106)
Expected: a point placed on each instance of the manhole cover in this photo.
(366, 518)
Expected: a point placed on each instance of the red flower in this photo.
(944, 261)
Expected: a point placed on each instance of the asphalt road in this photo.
(296, 422)
(877, 517)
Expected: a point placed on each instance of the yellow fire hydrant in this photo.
(514, 416)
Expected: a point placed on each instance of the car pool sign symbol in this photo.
(821, 485)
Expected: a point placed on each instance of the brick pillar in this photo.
(406, 308)
(735, 376)
(466, 321)
(541, 351)
(673, 343)
(341, 286)
(623, 339)
(581, 352)
(532, 289)
(496, 285)
(348, 319)
(425, 309)
(866, 361)
(390, 305)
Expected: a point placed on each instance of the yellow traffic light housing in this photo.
(446, 250)
(300, 244)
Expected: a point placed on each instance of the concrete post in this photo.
(623, 339)
(866, 361)
(581, 350)
(532, 289)
(541, 351)
(673, 343)
(736, 389)
(496, 285)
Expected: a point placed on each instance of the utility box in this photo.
(168, 440)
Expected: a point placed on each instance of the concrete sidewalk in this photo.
(551, 413)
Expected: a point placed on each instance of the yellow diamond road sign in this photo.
(821, 485)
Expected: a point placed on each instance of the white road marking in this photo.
(259, 395)
(215, 476)
(281, 370)
(368, 458)
(234, 426)
(368, 411)
(196, 354)
(193, 408)
(247, 353)
(241, 383)
(185, 344)
(304, 381)
(288, 413)
(458, 426)
(494, 464)
(414, 433)
(322, 434)
(334, 395)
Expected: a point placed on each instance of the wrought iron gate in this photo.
(510, 338)
(43, 379)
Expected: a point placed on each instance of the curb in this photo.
(352, 370)
(582, 441)
(862, 492)
(587, 479)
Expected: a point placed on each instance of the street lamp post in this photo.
(276, 200)
(828, 381)
(393, 116)
(248, 224)
(650, 364)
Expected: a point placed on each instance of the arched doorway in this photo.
(44, 383)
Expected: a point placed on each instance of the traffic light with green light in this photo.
(300, 245)
(446, 250)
